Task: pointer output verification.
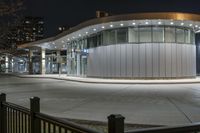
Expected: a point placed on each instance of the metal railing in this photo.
(17, 119)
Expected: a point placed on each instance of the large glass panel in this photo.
(99, 39)
(112, 37)
(133, 35)
(145, 34)
(192, 40)
(105, 37)
(92, 42)
(122, 35)
(109, 37)
(158, 34)
(170, 34)
(180, 35)
(187, 36)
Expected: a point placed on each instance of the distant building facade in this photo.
(30, 29)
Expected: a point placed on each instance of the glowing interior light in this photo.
(62, 41)
(79, 35)
(196, 26)
(86, 32)
(94, 29)
(190, 24)
(146, 22)
(172, 23)
(68, 39)
(133, 23)
(121, 24)
(111, 25)
(103, 27)
(182, 23)
(159, 22)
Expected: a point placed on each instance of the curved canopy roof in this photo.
(98, 24)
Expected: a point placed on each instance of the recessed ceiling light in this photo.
(182, 23)
(103, 27)
(121, 24)
(190, 24)
(196, 26)
(133, 23)
(79, 35)
(86, 32)
(94, 29)
(68, 39)
(146, 22)
(172, 23)
(73, 37)
(159, 22)
(111, 25)
(53, 42)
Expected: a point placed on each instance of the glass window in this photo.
(99, 39)
(112, 37)
(145, 34)
(192, 40)
(170, 34)
(187, 36)
(85, 44)
(180, 35)
(109, 37)
(92, 42)
(105, 37)
(158, 34)
(133, 35)
(122, 35)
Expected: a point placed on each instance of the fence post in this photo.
(3, 114)
(116, 123)
(35, 108)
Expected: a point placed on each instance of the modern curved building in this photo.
(137, 46)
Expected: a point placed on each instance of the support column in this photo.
(58, 61)
(30, 55)
(12, 65)
(78, 64)
(6, 63)
(68, 64)
(42, 62)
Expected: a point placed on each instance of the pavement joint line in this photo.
(181, 111)
(119, 92)
(96, 97)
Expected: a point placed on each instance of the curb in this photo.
(100, 82)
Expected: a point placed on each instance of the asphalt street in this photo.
(140, 104)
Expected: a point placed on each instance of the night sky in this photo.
(72, 12)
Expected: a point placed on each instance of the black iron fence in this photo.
(17, 119)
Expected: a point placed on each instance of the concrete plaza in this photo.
(152, 104)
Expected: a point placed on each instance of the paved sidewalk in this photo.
(112, 81)
(151, 104)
